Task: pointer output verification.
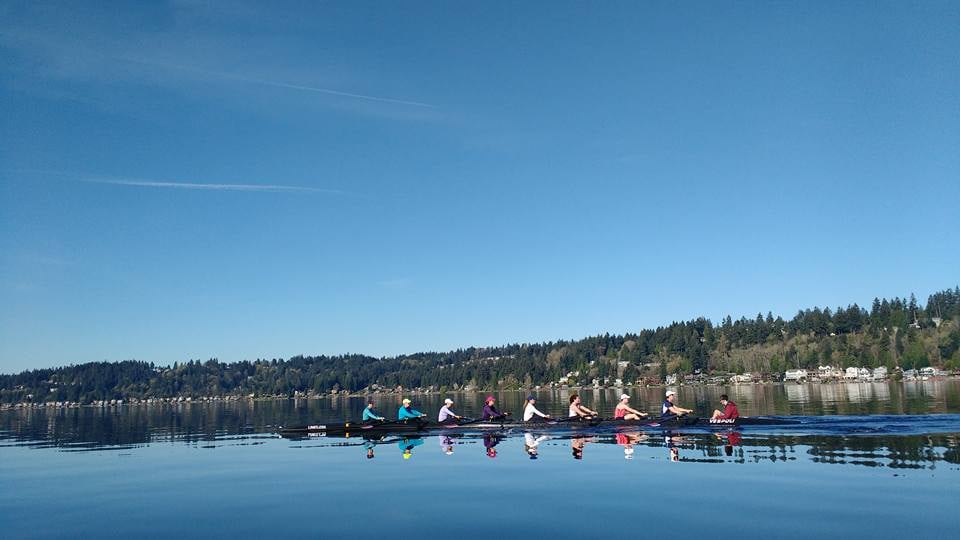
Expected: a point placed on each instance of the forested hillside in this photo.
(895, 333)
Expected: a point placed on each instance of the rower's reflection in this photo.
(531, 443)
(490, 441)
(446, 444)
(627, 439)
(369, 445)
(731, 439)
(407, 444)
(577, 444)
(672, 440)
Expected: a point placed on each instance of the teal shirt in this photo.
(408, 412)
(369, 414)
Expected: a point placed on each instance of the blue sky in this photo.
(185, 181)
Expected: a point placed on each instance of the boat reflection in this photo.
(900, 452)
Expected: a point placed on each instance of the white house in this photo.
(795, 375)
(879, 373)
(852, 373)
(864, 374)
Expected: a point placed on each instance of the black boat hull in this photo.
(347, 429)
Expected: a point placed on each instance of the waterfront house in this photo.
(795, 375)
(864, 374)
(829, 372)
(879, 373)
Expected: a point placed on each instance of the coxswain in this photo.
(446, 414)
(669, 409)
(369, 415)
(490, 411)
(729, 411)
(530, 411)
(623, 411)
(407, 412)
(580, 411)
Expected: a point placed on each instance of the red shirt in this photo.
(730, 411)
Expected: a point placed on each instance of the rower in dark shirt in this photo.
(729, 411)
(669, 409)
(490, 411)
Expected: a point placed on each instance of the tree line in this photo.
(898, 332)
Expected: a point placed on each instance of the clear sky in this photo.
(185, 180)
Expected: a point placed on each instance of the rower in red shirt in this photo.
(729, 412)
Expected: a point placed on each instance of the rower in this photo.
(669, 409)
(408, 412)
(447, 415)
(490, 411)
(623, 411)
(580, 411)
(729, 411)
(370, 415)
(530, 411)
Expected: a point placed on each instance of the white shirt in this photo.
(445, 413)
(529, 411)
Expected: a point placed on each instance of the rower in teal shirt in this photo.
(369, 415)
(406, 411)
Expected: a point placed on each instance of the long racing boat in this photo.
(348, 429)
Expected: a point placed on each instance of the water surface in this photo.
(218, 470)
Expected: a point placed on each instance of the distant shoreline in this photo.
(204, 400)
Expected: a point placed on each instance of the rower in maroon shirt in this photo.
(729, 412)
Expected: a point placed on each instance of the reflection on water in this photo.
(893, 452)
(218, 471)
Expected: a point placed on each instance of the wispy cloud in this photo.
(280, 84)
(275, 188)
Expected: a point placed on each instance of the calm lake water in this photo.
(217, 470)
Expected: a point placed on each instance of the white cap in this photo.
(624, 396)
(405, 400)
(448, 401)
(671, 393)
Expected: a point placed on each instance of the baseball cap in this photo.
(405, 400)
(448, 401)
(671, 393)
(624, 396)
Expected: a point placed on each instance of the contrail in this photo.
(278, 84)
(275, 188)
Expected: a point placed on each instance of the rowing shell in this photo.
(346, 429)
